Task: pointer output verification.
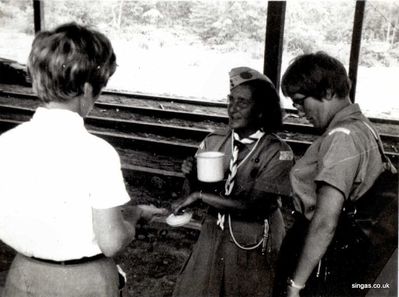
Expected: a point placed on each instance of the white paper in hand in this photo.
(179, 220)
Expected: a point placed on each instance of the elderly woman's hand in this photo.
(190, 199)
(188, 166)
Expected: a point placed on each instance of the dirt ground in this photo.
(154, 260)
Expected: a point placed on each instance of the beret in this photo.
(240, 75)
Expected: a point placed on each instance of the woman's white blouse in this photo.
(52, 173)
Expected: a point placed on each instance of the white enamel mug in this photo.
(210, 166)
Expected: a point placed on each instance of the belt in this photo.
(245, 217)
(71, 262)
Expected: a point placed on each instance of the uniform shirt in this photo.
(216, 263)
(52, 173)
(265, 170)
(345, 157)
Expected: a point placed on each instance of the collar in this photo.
(58, 117)
(250, 139)
(351, 111)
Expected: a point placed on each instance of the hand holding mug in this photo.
(188, 166)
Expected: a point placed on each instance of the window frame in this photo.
(276, 13)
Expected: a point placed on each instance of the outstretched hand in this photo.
(148, 212)
(182, 204)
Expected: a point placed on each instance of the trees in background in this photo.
(15, 15)
(227, 25)
(381, 34)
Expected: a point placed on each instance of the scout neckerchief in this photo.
(234, 164)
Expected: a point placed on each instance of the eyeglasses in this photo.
(299, 102)
(240, 102)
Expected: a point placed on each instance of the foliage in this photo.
(226, 25)
(14, 15)
(221, 22)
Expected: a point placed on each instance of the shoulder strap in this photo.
(387, 162)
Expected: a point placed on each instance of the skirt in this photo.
(218, 268)
(28, 277)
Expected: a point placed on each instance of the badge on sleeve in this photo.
(286, 156)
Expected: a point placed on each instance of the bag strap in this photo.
(387, 162)
(350, 208)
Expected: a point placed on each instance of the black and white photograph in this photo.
(199, 148)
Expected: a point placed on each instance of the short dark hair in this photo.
(313, 74)
(63, 60)
(268, 101)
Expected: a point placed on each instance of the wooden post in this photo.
(355, 46)
(38, 15)
(274, 40)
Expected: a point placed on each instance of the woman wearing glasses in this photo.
(321, 254)
(243, 229)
